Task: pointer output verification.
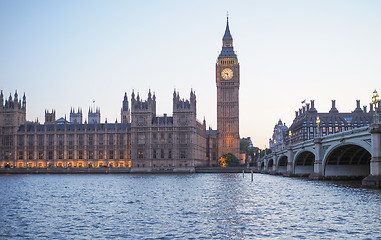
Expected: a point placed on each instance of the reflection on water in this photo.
(198, 206)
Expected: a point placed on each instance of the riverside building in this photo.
(142, 141)
(305, 126)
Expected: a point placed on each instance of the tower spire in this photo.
(227, 43)
(227, 35)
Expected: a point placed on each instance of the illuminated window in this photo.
(141, 138)
(140, 154)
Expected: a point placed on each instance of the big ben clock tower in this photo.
(227, 81)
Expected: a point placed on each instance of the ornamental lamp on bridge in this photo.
(289, 136)
(375, 101)
(317, 126)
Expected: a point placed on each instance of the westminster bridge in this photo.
(350, 154)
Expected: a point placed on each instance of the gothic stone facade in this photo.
(176, 143)
(160, 143)
(59, 143)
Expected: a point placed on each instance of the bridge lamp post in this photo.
(375, 100)
(317, 126)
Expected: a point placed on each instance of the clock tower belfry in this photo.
(227, 82)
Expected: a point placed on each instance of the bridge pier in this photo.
(318, 163)
(274, 169)
(290, 170)
(374, 179)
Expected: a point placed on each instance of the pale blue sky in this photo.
(65, 54)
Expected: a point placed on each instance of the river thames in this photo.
(188, 206)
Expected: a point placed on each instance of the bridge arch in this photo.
(349, 159)
(303, 163)
(282, 163)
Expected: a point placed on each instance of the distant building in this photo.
(279, 138)
(304, 126)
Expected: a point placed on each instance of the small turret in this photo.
(2, 99)
(125, 111)
(24, 101)
(149, 94)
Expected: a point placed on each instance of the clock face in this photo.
(227, 74)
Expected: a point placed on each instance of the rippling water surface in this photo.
(194, 206)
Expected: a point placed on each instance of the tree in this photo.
(244, 145)
(228, 160)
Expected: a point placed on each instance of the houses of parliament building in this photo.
(142, 141)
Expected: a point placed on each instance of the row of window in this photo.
(162, 165)
(80, 139)
(225, 62)
(161, 153)
(162, 138)
(71, 164)
(69, 155)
